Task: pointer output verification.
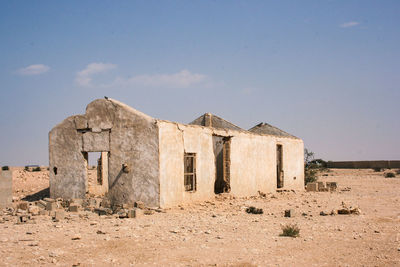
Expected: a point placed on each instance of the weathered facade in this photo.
(164, 163)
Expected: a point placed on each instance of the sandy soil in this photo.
(220, 232)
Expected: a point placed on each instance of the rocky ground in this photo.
(219, 232)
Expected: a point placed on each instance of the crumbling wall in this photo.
(5, 188)
(130, 137)
(252, 162)
(175, 140)
(67, 172)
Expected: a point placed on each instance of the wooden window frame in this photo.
(189, 177)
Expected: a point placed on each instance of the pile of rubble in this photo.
(58, 209)
(321, 187)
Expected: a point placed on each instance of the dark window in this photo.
(190, 171)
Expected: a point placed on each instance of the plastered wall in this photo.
(253, 162)
(130, 137)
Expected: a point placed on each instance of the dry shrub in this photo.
(390, 175)
(291, 230)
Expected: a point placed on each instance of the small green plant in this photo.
(26, 168)
(377, 169)
(291, 230)
(310, 175)
(5, 168)
(36, 169)
(390, 175)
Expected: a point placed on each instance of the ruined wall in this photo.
(253, 166)
(386, 164)
(5, 188)
(175, 139)
(130, 137)
(253, 162)
(68, 175)
(293, 162)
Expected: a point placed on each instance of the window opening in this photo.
(190, 171)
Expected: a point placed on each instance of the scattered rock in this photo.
(254, 210)
(74, 207)
(289, 213)
(76, 237)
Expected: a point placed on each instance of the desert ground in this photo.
(218, 232)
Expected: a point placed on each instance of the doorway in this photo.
(222, 155)
(96, 172)
(279, 167)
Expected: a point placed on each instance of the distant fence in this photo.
(386, 164)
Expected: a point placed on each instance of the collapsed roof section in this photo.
(265, 128)
(211, 120)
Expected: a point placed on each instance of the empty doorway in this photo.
(279, 167)
(97, 172)
(222, 154)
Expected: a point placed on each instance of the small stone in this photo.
(289, 213)
(76, 237)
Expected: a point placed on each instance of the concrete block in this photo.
(5, 188)
(50, 206)
(312, 187)
(59, 215)
(73, 208)
(135, 213)
(289, 213)
(331, 185)
(321, 186)
(23, 205)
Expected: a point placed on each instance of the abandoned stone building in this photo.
(163, 163)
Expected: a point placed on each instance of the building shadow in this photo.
(38, 195)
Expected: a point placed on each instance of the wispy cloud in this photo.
(84, 77)
(181, 79)
(349, 24)
(35, 69)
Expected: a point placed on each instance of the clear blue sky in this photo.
(325, 71)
